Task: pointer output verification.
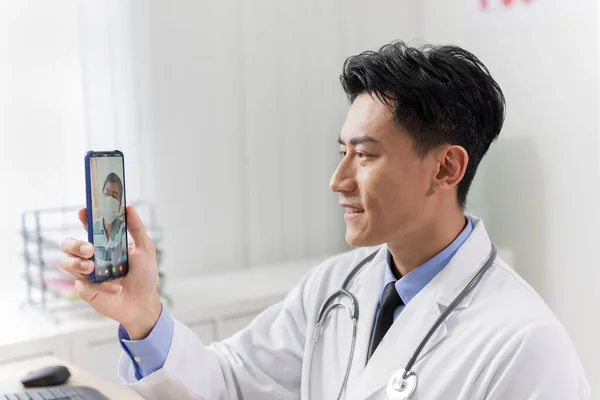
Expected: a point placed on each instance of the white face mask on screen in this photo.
(109, 208)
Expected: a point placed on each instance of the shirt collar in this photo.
(100, 228)
(412, 283)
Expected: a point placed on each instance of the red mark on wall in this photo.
(485, 4)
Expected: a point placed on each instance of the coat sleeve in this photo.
(541, 364)
(264, 360)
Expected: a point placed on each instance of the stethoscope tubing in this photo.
(474, 281)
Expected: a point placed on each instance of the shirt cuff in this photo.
(149, 354)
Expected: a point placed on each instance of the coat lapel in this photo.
(420, 315)
(401, 340)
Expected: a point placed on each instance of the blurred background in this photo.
(228, 113)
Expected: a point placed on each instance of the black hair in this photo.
(114, 178)
(438, 94)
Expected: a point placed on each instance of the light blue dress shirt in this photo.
(149, 355)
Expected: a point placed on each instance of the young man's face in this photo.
(383, 183)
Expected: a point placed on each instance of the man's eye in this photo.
(358, 154)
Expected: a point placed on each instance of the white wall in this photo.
(538, 187)
(41, 116)
(247, 107)
(113, 54)
(71, 80)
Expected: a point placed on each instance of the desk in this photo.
(10, 374)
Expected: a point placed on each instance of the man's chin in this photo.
(361, 239)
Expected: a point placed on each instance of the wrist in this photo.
(144, 321)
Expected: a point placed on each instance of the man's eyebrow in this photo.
(358, 140)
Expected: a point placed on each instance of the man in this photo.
(109, 229)
(420, 121)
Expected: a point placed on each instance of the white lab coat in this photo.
(502, 342)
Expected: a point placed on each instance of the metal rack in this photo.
(42, 231)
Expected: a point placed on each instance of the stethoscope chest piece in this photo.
(400, 388)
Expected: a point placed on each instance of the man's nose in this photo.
(342, 179)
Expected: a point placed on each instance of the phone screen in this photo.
(109, 224)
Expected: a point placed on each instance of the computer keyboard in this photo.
(57, 393)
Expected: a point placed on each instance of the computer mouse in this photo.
(47, 376)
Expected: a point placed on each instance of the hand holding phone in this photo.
(131, 299)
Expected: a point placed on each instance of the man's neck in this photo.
(108, 228)
(420, 246)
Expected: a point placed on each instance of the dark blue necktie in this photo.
(385, 316)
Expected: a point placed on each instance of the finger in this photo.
(76, 266)
(88, 290)
(81, 277)
(112, 286)
(77, 248)
(82, 214)
(135, 226)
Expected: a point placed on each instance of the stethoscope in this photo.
(403, 383)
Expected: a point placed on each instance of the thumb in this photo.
(82, 215)
(135, 226)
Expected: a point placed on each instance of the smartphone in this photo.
(106, 219)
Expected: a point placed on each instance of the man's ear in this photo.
(452, 164)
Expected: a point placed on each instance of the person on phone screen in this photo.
(109, 229)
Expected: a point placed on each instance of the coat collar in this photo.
(463, 266)
(419, 315)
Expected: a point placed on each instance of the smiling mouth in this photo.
(353, 210)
